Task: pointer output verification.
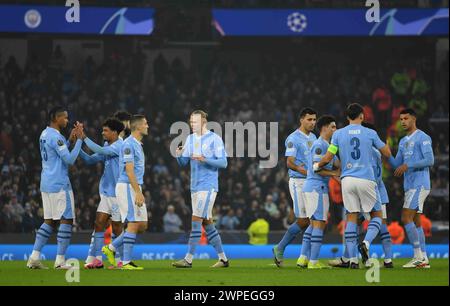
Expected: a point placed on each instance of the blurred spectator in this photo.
(270, 207)
(230, 221)
(397, 232)
(426, 225)
(172, 221)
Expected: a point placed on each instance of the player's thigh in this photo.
(212, 200)
(47, 205)
(135, 213)
(384, 198)
(109, 206)
(369, 196)
(201, 202)
(299, 202)
(415, 199)
(63, 205)
(317, 205)
(422, 197)
(350, 196)
(311, 203)
(123, 198)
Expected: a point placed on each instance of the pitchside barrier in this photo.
(234, 251)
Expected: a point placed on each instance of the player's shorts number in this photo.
(356, 154)
(43, 150)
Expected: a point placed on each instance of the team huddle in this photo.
(353, 154)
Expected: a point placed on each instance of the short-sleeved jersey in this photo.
(298, 145)
(55, 172)
(204, 177)
(132, 151)
(412, 148)
(111, 169)
(315, 181)
(355, 145)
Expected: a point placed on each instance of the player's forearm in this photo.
(183, 161)
(98, 149)
(427, 161)
(221, 163)
(397, 161)
(324, 172)
(70, 159)
(326, 159)
(86, 158)
(291, 165)
(133, 181)
(129, 169)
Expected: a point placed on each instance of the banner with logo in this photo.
(71, 20)
(235, 251)
(331, 22)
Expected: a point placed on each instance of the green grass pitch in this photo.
(250, 272)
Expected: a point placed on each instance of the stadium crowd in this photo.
(275, 90)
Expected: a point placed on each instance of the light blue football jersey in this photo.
(298, 145)
(378, 170)
(412, 148)
(315, 181)
(355, 145)
(56, 160)
(132, 151)
(204, 177)
(109, 155)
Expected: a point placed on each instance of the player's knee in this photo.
(52, 223)
(303, 223)
(143, 227)
(406, 218)
(117, 229)
(99, 226)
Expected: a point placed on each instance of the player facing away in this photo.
(108, 207)
(385, 237)
(359, 188)
(315, 189)
(413, 160)
(56, 189)
(129, 193)
(124, 117)
(298, 147)
(205, 151)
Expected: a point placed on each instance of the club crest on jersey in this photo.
(60, 143)
(290, 144)
(318, 151)
(349, 166)
(410, 144)
(310, 143)
(127, 151)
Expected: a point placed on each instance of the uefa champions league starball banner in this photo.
(85, 20)
(330, 22)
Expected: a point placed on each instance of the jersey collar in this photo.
(324, 140)
(411, 136)
(199, 137)
(136, 140)
(301, 133)
(49, 127)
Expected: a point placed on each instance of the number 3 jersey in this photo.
(354, 144)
